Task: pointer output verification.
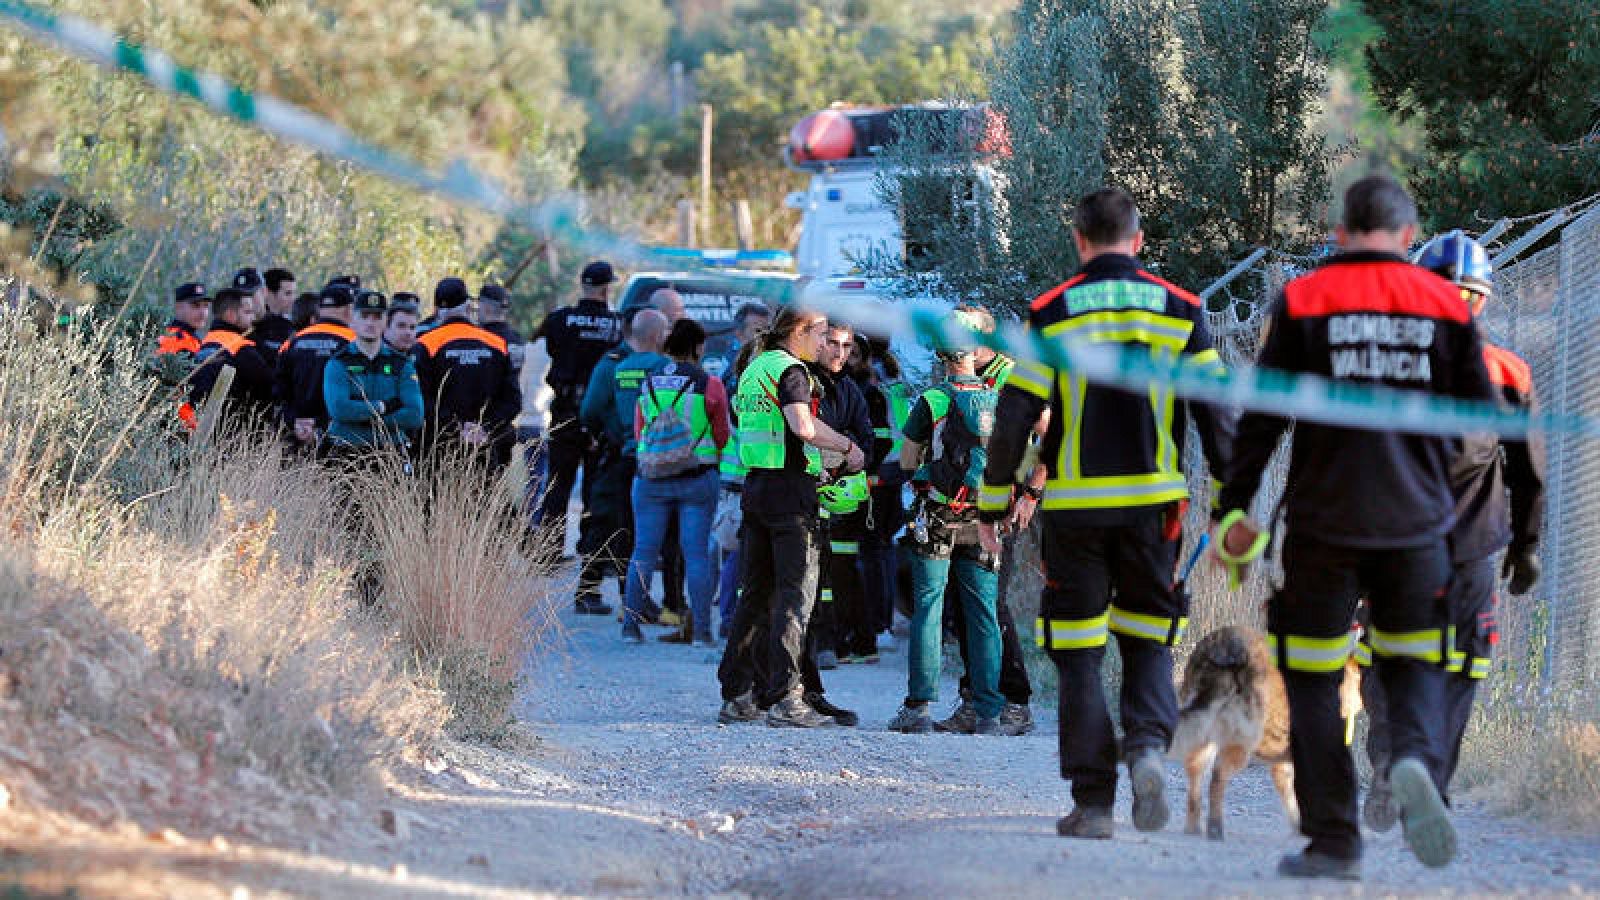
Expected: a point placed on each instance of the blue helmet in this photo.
(1460, 259)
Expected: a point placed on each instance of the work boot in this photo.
(1149, 777)
(591, 605)
(1090, 822)
(1379, 810)
(963, 720)
(995, 726)
(679, 636)
(793, 712)
(838, 714)
(912, 720)
(827, 659)
(1018, 715)
(739, 710)
(1311, 864)
(1423, 817)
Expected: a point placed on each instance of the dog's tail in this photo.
(1218, 668)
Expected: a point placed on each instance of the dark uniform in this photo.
(1110, 512)
(250, 396)
(516, 352)
(466, 377)
(301, 359)
(270, 333)
(576, 337)
(1367, 512)
(843, 623)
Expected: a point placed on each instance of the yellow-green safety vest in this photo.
(762, 427)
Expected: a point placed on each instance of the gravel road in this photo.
(633, 789)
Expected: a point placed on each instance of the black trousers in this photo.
(844, 620)
(568, 447)
(1084, 567)
(605, 538)
(1474, 614)
(672, 571)
(1309, 619)
(878, 555)
(767, 643)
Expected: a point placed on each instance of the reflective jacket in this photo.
(301, 360)
(686, 388)
(763, 430)
(465, 374)
(1109, 453)
(1369, 318)
(250, 394)
(1487, 466)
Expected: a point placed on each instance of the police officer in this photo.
(575, 337)
(371, 390)
(173, 360)
(1498, 484)
(1111, 510)
(301, 360)
(276, 292)
(469, 390)
(494, 307)
(781, 442)
(1367, 512)
(250, 395)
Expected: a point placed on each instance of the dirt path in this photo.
(631, 789)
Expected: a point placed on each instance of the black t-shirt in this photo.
(790, 490)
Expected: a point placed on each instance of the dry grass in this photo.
(179, 640)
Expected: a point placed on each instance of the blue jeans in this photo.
(692, 501)
(978, 586)
(728, 591)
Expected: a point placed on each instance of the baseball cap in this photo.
(191, 292)
(247, 280)
(370, 302)
(353, 281)
(336, 294)
(405, 298)
(450, 293)
(599, 272)
(495, 294)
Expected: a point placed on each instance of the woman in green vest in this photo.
(781, 442)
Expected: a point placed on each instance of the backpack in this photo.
(958, 451)
(666, 443)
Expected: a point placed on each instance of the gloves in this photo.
(1522, 568)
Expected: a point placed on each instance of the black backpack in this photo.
(947, 471)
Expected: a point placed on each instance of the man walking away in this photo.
(1368, 513)
(1113, 503)
(302, 358)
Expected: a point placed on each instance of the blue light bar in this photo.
(728, 258)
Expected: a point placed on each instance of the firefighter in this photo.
(575, 338)
(301, 360)
(781, 442)
(173, 360)
(1367, 512)
(249, 397)
(1112, 506)
(1499, 502)
(273, 323)
(468, 388)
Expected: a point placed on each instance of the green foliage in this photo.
(1506, 93)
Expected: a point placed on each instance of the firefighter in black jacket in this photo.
(1498, 485)
(1367, 512)
(301, 360)
(249, 398)
(468, 387)
(1111, 508)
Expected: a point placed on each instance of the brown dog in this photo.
(1234, 707)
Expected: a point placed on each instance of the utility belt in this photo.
(940, 531)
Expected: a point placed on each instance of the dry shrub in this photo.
(465, 582)
(1534, 762)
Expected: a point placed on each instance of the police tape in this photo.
(1290, 395)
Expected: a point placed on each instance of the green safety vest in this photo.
(900, 401)
(732, 467)
(762, 428)
(683, 388)
(997, 371)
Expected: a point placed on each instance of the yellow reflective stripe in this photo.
(1423, 645)
(1314, 655)
(1457, 661)
(1072, 634)
(1216, 494)
(1126, 326)
(827, 595)
(1363, 654)
(1206, 361)
(994, 497)
(1033, 378)
(1479, 668)
(1115, 490)
(1071, 430)
(1151, 628)
(845, 546)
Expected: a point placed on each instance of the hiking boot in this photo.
(650, 614)
(793, 712)
(1379, 811)
(995, 727)
(1423, 817)
(632, 635)
(739, 710)
(838, 714)
(1019, 716)
(912, 720)
(1149, 777)
(1089, 822)
(1311, 864)
(591, 605)
(827, 659)
(963, 720)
